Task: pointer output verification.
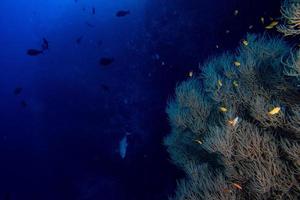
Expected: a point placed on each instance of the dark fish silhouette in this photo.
(122, 13)
(24, 104)
(7, 196)
(105, 87)
(93, 10)
(105, 61)
(18, 90)
(34, 52)
(89, 25)
(78, 40)
(45, 45)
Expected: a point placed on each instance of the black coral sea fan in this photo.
(290, 10)
(236, 127)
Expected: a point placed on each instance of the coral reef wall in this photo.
(236, 126)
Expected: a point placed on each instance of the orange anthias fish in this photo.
(233, 122)
(237, 186)
(227, 190)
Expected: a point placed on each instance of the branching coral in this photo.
(191, 108)
(239, 141)
(201, 183)
(290, 11)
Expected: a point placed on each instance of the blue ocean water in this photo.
(63, 114)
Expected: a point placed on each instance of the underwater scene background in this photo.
(85, 85)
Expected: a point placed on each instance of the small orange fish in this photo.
(227, 190)
(233, 122)
(237, 186)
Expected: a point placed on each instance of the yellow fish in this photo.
(272, 25)
(223, 109)
(191, 73)
(233, 122)
(275, 111)
(237, 63)
(245, 42)
(199, 141)
(220, 83)
(235, 84)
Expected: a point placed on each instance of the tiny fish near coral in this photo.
(223, 109)
(235, 83)
(237, 63)
(199, 141)
(245, 42)
(220, 83)
(233, 122)
(272, 25)
(275, 111)
(237, 186)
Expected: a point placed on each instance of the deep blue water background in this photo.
(64, 144)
